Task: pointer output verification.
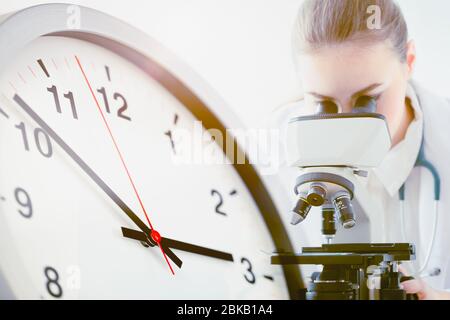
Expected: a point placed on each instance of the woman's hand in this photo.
(424, 291)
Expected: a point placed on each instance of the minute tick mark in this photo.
(42, 65)
(108, 73)
(268, 277)
(4, 113)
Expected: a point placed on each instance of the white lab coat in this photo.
(436, 113)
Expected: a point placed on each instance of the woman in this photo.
(345, 49)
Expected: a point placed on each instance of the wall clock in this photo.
(92, 204)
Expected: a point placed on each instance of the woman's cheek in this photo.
(390, 107)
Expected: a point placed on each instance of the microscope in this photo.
(332, 150)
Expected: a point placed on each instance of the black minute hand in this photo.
(83, 165)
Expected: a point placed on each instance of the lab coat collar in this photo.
(400, 160)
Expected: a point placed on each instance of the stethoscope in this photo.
(424, 163)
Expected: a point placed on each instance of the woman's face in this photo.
(345, 72)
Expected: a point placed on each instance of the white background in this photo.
(242, 47)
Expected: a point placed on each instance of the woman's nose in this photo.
(346, 108)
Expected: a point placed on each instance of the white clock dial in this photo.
(61, 232)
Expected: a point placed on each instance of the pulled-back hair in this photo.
(321, 23)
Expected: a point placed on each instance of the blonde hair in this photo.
(322, 23)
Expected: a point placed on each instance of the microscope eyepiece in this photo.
(327, 107)
(365, 104)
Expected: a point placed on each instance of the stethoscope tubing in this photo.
(424, 163)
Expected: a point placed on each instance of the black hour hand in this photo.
(168, 244)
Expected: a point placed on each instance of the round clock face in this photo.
(66, 197)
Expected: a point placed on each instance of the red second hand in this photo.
(154, 234)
